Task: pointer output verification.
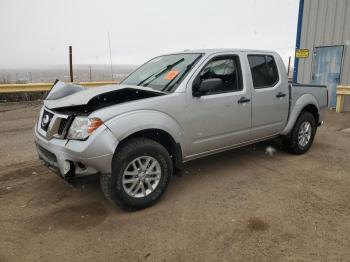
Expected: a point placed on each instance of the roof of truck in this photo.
(220, 50)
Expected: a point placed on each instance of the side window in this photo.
(264, 70)
(228, 69)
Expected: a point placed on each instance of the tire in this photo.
(142, 160)
(294, 143)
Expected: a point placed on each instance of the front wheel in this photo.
(302, 135)
(141, 170)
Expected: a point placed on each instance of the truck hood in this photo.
(68, 97)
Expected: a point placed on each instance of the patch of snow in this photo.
(270, 151)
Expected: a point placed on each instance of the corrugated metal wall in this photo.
(325, 23)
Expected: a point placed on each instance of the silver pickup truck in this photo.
(172, 109)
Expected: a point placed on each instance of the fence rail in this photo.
(42, 87)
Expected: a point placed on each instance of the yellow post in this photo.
(342, 91)
(340, 104)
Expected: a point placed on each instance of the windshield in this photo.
(163, 73)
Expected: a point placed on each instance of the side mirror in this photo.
(207, 85)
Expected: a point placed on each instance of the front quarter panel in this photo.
(129, 123)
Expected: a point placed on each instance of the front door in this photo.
(327, 68)
(220, 118)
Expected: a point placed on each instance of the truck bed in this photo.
(319, 92)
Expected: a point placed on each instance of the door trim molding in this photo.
(226, 148)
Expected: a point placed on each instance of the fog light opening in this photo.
(66, 167)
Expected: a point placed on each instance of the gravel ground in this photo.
(241, 205)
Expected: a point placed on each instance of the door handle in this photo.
(280, 94)
(243, 100)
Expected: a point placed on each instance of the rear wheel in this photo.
(141, 171)
(302, 135)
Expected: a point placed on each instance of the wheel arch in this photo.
(151, 124)
(162, 137)
(311, 108)
(305, 103)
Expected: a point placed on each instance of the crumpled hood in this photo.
(98, 97)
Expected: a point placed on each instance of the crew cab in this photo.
(174, 108)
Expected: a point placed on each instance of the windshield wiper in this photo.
(188, 68)
(156, 75)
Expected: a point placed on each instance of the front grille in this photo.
(53, 125)
(62, 127)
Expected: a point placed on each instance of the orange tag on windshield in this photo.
(171, 75)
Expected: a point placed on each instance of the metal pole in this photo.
(90, 75)
(70, 63)
(30, 77)
(289, 66)
(110, 55)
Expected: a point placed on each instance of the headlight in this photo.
(82, 127)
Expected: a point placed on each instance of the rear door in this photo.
(270, 96)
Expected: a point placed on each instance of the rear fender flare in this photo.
(299, 105)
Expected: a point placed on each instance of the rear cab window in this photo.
(264, 71)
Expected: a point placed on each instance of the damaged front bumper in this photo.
(78, 158)
(63, 103)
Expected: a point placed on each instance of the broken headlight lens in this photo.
(79, 128)
(83, 127)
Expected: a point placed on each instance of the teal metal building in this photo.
(324, 35)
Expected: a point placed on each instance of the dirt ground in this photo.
(241, 205)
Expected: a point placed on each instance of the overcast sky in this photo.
(38, 32)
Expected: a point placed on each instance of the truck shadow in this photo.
(208, 166)
(80, 204)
